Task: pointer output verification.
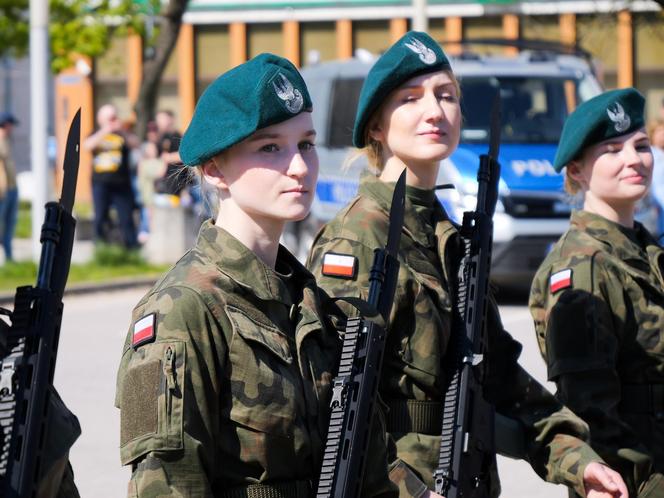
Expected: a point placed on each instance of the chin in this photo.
(297, 214)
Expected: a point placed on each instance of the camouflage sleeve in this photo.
(168, 396)
(554, 436)
(377, 480)
(581, 348)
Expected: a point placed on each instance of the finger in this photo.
(605, 479)
(622, 487)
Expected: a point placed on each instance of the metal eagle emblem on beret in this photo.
(620, 119)
(426, 55)
(291, 96)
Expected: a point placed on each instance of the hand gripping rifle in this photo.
(29, 347)
(355, 387)
(467, 448)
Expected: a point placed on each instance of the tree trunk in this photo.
(153, 68)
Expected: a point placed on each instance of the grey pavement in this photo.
(93, 331)
(82, 251)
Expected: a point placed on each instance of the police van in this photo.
(538, 89)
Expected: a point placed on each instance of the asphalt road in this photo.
(93, 332)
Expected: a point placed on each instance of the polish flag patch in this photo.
(561, 280)
(339, 265)
(144, 330)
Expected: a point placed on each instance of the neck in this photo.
(420, 175)
(260, 235)
(623, 214)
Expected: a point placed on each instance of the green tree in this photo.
(13, 27)
(87, 27)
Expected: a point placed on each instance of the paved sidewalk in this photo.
(82, 252)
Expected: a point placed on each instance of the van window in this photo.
(343, 105)
(533, 109)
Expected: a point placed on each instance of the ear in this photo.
(376, 131)
(576, 172)
(213, 175)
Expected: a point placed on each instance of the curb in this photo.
(88, 288)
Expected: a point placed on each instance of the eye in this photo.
(448, 97)
(408, 98)
(306, 145)
(611, 149)
(270, 148)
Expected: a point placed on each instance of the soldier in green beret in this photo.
(409, 117)
(598, 298)
(224, 383)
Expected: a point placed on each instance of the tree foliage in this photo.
(87, 27)
(14, 30)
(75, 26)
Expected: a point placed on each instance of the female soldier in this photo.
(598, 298)
(409, 117)
(225, 377)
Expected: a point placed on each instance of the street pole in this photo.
(420, 19)
(7, 64)
(39, 63)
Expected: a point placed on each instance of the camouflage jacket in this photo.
(419, 332)
(598, 305)
(230, 387)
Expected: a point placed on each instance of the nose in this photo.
(297, 167)
(631, 156)
(434, 111)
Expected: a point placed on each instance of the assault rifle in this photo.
(355, 387)
(467, 448)
(29, 347)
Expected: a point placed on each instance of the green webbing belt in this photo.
(411, 415)
(292, 489)
(642, 398)
(425, 417)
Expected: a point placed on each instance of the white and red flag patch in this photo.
(561, 280)
(339, 265)
(144, 330)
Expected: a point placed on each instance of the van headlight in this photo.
(464, 198)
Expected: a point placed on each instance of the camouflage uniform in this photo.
(600, 332)
(231, 397)
(413, 376)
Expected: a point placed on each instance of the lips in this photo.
(436, 132)
(297, 190)
(633, 178)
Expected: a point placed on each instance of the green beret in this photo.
(610, 114)
(414, 54)
(263, 91)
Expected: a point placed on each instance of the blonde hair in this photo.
(654, 125)
(209, 194)
(572, 187)
(373, 150)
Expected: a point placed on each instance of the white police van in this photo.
(537, 88)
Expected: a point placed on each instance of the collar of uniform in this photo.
(624, 242)
(381, 192)
(242, 265)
